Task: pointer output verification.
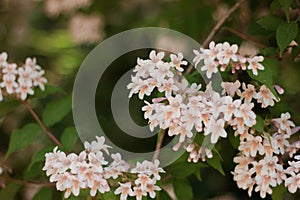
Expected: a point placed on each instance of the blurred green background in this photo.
(61, 36)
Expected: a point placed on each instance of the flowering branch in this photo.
(37, 119)
(221, 22)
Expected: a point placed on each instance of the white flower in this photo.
(156, 58)
(24, 89)
(230, 107)
(39, 80)
(216, 128)
(245, 112)
(124, 189)
(10, 69)
(3, 58)
(176, 61)
(265, 97)
(231, 87)
(210, 67)
(254, 64)
(228, 52)
(251, 146)
(284, 124)
(98, 145)
(9, 83)
(249, 93)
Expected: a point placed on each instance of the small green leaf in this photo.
(184, 169)
(163, 195)
(49, 89)
(69, 138)
(278, 192)
(286, 6)
(270, 22)
(260, 124)
(286, 32)
(22, 138)
(216, 163)
(43, 194)
(234, 140)
(8, 106)
(56, 111)
(108, 196)
(9, 192)
(39, 156)
(183, 189)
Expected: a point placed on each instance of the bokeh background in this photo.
(61, 33)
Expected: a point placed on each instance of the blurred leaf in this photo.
(69, 138)
(216, 163)
(8, 106)
(234, 140)
(286, 6)
(182, 189)
(109, 196)
(163, 195)
(40, 156)
(184, 169)
(49, 89)
(22, 138)
(43, 194)
(83, 195)
(286, 32)
(9, 192)
(268, 75)
(260, 124)
(278, 192)
(270, 22)
(35, 171)
(198, 175)
(56, 111)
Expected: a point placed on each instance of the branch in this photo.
(37, 119)
(159, 141)
(221, 22)
(23, 182)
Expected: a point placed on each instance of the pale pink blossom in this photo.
(124, 189)
(265, 97)
(231, 88)
(216, 129)
(177, 61)
(228, 53)
(254, 64)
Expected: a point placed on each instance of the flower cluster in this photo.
(91, 170)
(20, 80)
(56, 7)
(223, 55)
(260, 161)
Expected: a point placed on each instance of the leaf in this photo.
(56, 111)
(216, 163)
(39, 156)
(286, 6)
(234, 140)
(183, 189)
(43, 194)
(260, 124)
(286, 32)
(49, 89)
(270, 22)
(184, 169)
(69, 138)
(268, 75)
(9, 192)
(22, 138)
(163, 195)
(8, 106)
(109, 196)
(278, 192)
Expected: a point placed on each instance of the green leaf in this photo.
(278, 192)
(35, 171)
(270, 22)
(260, 124)
(163, 195)
(9, 192)
(184, 169)
(8, 106)
(22, 138)
(182, 189)
(109, 196)
(43, 194)
(49, 89)
(286, 6)
(268, 75)
(69, 138)
(216, 163)
(56, 111)
(286, 32)
(234, 140)
(39, 156)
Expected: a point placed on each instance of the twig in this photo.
(159, 142)
(23, 182)
(221, 22)
(37, 119)
(245, 37)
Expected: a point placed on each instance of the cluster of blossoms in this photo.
(56, 7)
(224, 55)
(20, 81)
(186, 112)
(91, 170)
(260, 161)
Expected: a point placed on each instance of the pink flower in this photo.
(216, 128)
(210, 67)
(254, 64)
(124, 189)
(176, 61)
(228, 53)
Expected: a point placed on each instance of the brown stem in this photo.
(245, 37)
(37, 119)
(221, 22)
(159, 142)
(23, 182)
